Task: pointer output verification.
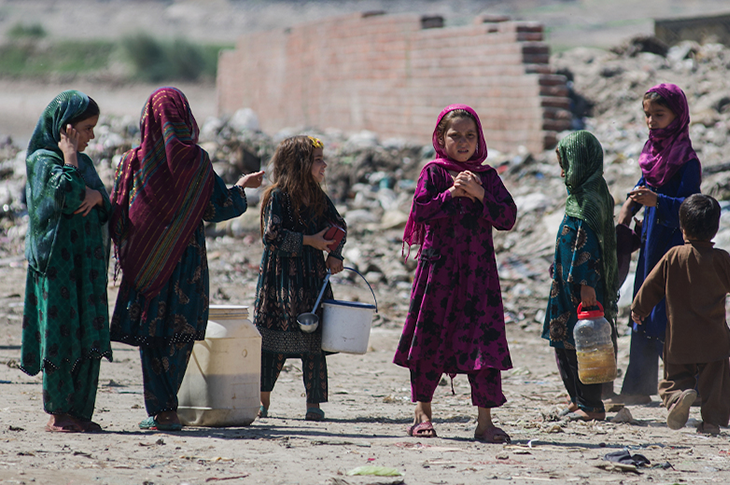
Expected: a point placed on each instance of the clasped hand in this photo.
(467, 184)
(644, 196)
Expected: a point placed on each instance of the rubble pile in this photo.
(372, 180)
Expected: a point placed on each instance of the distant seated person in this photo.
(694, 278)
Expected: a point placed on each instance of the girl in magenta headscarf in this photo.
(670, 172)
(455, 323)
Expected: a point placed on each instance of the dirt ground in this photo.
(367, 416)
(369, 409)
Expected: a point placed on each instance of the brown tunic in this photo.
(694, 278)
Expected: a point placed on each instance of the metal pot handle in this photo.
(366, 282)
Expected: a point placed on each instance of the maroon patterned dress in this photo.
(456, 319)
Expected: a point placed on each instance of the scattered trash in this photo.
(213, 479)
(625, 458)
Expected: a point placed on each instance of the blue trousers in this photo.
(642, 374)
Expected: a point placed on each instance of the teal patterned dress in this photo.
(576, 263)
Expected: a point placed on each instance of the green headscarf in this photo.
(581, 157)
(44, 170)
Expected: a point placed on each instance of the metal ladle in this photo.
(308, 322)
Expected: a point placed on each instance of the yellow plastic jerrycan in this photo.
(594, 348)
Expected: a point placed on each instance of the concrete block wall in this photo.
(389, 75)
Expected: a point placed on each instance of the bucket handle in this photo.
(366, 282)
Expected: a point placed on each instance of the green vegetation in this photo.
(22, 31)
(154, 60)
(34, 59)
(27, 52)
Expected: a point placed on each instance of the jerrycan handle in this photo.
(590, 313)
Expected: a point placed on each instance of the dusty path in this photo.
(368, 413)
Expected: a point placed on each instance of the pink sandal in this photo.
(422, 430)
(494, 435)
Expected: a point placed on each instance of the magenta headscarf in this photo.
(414, 232)
(669, 148)
(160, 193)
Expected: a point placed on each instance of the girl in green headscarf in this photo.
(66, 316)
(584, 269)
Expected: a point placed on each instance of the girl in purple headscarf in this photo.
(670, 172)
(455, 324)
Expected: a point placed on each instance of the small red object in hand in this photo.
(336, 233)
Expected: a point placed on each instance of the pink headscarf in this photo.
(414, 232)
(669, 148)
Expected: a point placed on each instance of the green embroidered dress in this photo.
(66, 316)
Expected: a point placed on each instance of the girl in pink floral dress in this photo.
(455, 324)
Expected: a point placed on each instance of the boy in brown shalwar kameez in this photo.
(694, 279)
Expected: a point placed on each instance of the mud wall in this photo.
(392, 74)
(704, 30)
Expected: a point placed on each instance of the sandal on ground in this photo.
(572, 407)
(152, 423)
(263, 412)
(493, 434)
(314, 414)
(581, 415)
(708, 428)
(679, 410)
(422, 430)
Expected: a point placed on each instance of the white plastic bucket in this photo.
(222, 382)
(346, 324)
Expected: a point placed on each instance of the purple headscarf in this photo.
(415, 233)
(669, 148)
(474, 164)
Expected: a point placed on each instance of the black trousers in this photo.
(586, 396)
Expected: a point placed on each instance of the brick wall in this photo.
(390, 75)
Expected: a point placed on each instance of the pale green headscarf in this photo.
(581, 157)
(44, 170)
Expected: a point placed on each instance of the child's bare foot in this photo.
(64, 423)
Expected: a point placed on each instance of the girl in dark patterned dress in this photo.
(164, 190)
(66, 317)
(455, 323)
(295, 214)
(585, 269)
